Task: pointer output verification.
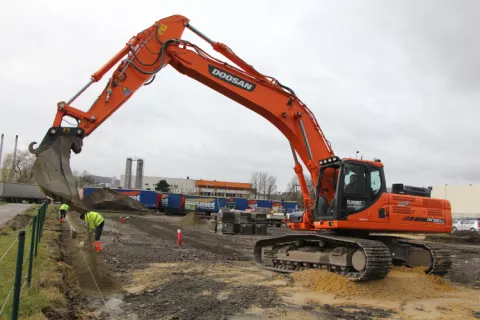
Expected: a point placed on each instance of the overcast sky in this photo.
(395, 80)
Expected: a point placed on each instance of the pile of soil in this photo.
(191, 220)
(111, 200)
(400, 284)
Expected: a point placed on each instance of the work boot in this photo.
(97, 246)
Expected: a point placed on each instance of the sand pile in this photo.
(400, 284)
(191, 220)
(111, 200)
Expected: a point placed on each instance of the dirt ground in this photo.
(142, 274)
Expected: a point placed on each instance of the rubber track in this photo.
(442, 259)
(378, 264)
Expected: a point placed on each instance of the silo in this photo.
(139, 175)
(128, 174)
(1, 150)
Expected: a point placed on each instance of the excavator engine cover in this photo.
(52, 169)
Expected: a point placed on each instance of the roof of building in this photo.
(222, 184)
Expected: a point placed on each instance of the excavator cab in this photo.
(356, 185)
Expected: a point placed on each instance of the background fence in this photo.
(31, 235)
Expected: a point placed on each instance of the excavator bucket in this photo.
(52, 171)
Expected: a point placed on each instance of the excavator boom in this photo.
(139, 61)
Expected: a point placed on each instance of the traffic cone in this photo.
(179, 237)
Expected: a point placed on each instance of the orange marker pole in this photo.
(179, 237)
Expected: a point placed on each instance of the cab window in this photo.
(355, 179)
(375, 181)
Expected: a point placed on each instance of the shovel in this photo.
(82, 243)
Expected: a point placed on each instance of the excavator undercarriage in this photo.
(359, 259)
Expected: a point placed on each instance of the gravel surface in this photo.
(196, 296)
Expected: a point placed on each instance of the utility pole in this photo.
(1, 150)
(11, 176)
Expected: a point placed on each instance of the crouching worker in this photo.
(94, 222)
(63, 212)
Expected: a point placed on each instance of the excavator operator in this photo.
(353, 181)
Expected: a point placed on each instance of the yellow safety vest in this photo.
(93, 219)
(64, 207)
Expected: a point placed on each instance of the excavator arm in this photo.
(138, 62)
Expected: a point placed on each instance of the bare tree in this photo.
(255, 181)
(263, 184)
(296, 193)
(84, 179)
(271, 186)
(22, 169)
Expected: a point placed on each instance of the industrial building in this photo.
(462, 198)
(177, 185)
(223, 188)
(198, 187)
(181, 185)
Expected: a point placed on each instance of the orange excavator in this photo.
(354, 225)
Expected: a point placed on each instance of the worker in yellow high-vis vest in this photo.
(95, 222)
(63, 211)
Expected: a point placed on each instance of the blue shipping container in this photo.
(241, 204)
(204, 204)
(173, 201)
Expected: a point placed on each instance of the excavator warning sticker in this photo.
(162, 28)
(125, 90)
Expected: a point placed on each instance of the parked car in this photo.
(467, 225)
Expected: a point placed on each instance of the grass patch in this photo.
(48, 288)
(34, 209)
(3, 202)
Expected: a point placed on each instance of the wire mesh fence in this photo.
(26, 243)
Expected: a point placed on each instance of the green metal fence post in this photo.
(32, 247)
(42, 220)
(18, 275)
(37, 235)
(44, 215)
